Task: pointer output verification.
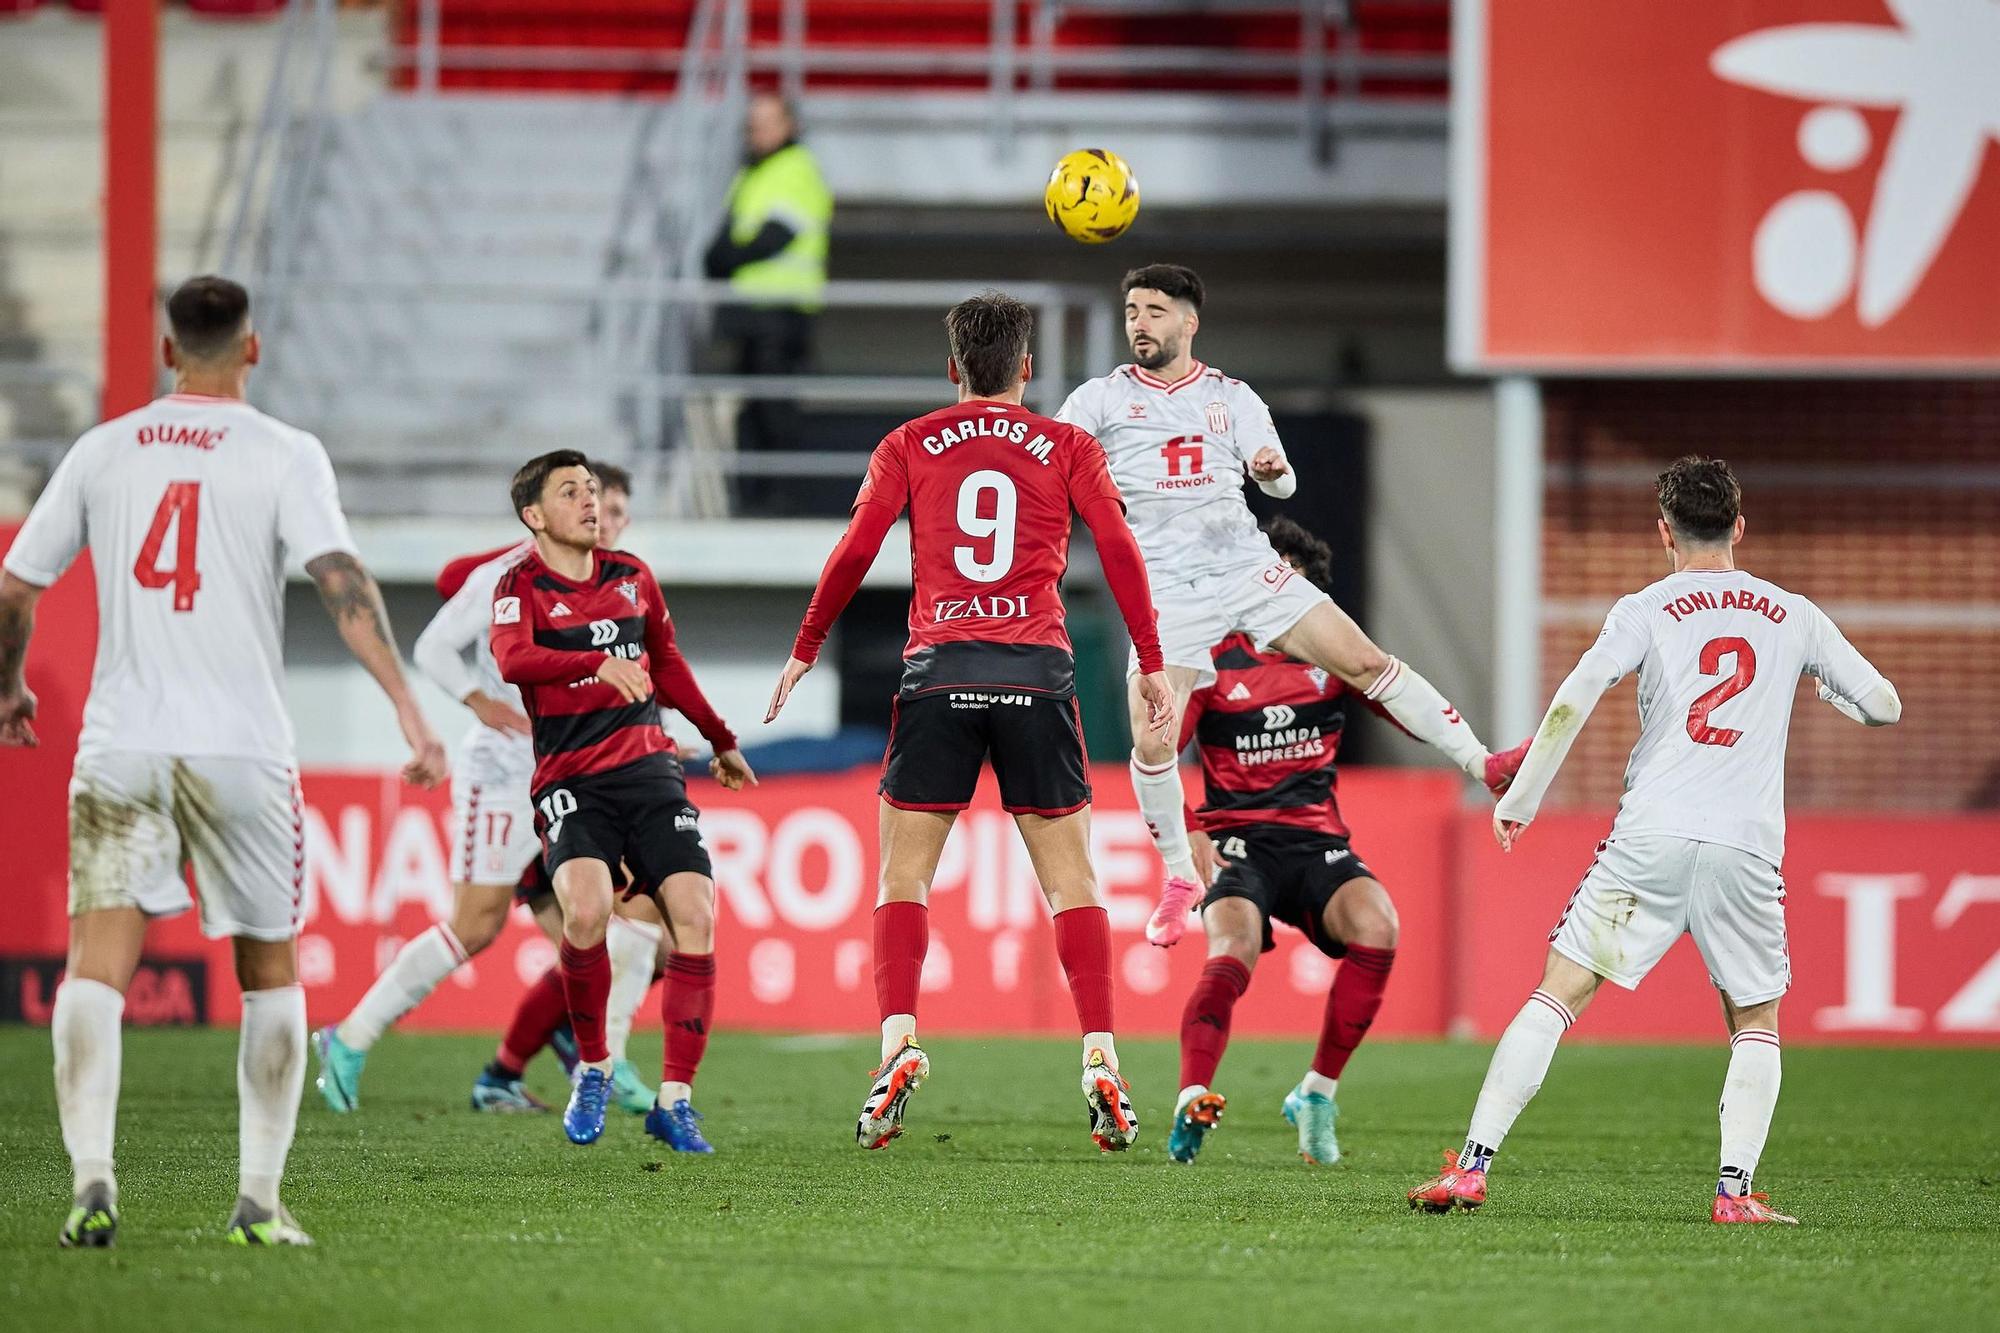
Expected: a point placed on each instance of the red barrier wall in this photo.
(1895, 921)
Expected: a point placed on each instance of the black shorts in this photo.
(1290, 874)
(638, 816)
(536, 885)
(938, 741)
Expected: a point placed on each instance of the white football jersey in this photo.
(456, 652)
(1719, 654)
(1178, 453)
(191, 507)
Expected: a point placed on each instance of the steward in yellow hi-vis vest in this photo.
(772, 250)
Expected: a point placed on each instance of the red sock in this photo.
(1351, 1005)
(687, 1004)
(586, 978)
(1083, 943)
(902, 938)
(1205, 1020)
(541, 1011)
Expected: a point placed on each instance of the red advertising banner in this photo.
(1768, 184)
(1894, 926)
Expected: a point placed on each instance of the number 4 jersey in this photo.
(191, 507)
(1719, 655)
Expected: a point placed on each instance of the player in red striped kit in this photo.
(585, 635)
(989, 487)
(1271, 839)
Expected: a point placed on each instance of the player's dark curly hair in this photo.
(611, 477)
(208, 314)
(1177, 282)
(988, 335)
(1307, 553)
(1700, 499)
(526, 488)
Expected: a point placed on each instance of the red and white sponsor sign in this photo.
(1768, 184)
(1894, 923)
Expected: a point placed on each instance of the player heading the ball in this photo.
(1180, 437)
(989, 487)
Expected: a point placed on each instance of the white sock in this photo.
(270, 1071)
(1188, 1094)
(1415, 703)
(1164, 805)
(634, 947)
(1315, 1081)
(85, 1029)
(412, 974)
(676, 1092)
(894, 1028)
(1100, 1041)
(1520, 1062)
(1749, 1096)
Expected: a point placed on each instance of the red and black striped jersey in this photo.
(1267, 730)
(550, 635)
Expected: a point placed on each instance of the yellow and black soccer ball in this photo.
(1092, 195)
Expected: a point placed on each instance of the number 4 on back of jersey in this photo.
(183, 502)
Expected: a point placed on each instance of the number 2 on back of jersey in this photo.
(997, 527)
(1712, 654)
(179, 509)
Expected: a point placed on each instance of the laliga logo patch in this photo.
(1218, 418)
(507, 611)
(630, 590)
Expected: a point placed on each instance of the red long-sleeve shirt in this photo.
(551, 634)
(990, 488)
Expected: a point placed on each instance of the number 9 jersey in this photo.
(191, 507)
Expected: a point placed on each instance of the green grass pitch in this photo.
(994, 1211)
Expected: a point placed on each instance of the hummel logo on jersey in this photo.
(1239, 693)
(1135, 411)
(1451, 715)
(560, 609)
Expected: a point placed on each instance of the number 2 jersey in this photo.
(550, 634)
(1267, 731)
(1719, 655)
(989, 488)
(191, 507)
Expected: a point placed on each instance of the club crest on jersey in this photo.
(630, 591)
(1218, 417)
(1318, 678)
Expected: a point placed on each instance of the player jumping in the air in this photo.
(989, 487)
(491, 851)
(1267, 729)
(191, 507)
(584, 633)
(1700, 833)
(1180, 436)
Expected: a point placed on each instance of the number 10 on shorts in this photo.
(557, 806)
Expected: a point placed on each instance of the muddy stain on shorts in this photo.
(101, 831)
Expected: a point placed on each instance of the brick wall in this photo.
(1880, 500)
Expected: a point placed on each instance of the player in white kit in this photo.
(1179, 437)
(492, 844)
(192, 507)
(1700, 835)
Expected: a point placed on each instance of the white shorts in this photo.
(1642, 893)
(493, 829)
(136, 819)
(1262, 601)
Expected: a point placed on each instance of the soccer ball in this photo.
(1092, 195)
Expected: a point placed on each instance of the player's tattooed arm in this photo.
(17, 625)
(355, 603)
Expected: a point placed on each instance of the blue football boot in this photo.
(678, 1126)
